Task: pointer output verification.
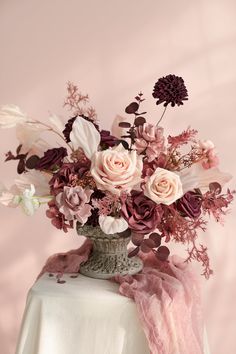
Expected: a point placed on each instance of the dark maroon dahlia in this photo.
(170, 89)
(52, 157)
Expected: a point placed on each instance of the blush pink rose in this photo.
(73, 203)
(116, 169)
(163, 187)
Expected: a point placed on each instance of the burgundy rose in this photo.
(51, 158)
(107, 140)
(190, 204)
(68, 175)
(141, 213)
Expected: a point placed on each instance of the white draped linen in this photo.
(81, 316)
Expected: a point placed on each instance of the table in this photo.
(81, 316)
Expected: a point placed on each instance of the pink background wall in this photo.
(113, 49)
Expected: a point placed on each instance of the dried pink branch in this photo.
(74, 97)
(178, 228)
(185, 231)
(108, 205)
(76, 102)
(187, 136)
(201, 256)
(215, 204)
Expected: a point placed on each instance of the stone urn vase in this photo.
(109, 256)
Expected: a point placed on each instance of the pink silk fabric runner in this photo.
(167, 298)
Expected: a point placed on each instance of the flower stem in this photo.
(162, 115)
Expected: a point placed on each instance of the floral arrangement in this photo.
(135, 181)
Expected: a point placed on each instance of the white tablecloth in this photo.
(81, 316)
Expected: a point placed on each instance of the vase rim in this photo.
(96, 231)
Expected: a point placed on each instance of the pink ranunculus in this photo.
(141, 213)
(153, 150)
(73, 203)
(140, 145)
(148, 132)
(163, 187)
(149, 138)
(116, 169)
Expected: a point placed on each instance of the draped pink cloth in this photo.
(167, 299)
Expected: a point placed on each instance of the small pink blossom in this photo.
(212, 160)
(206, 145)
(73, 203)
(106, 205)
(208, 150)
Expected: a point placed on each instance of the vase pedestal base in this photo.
(106, 266)
(109, 256)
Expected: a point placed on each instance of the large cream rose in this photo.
(163, 186)
(116, 169)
